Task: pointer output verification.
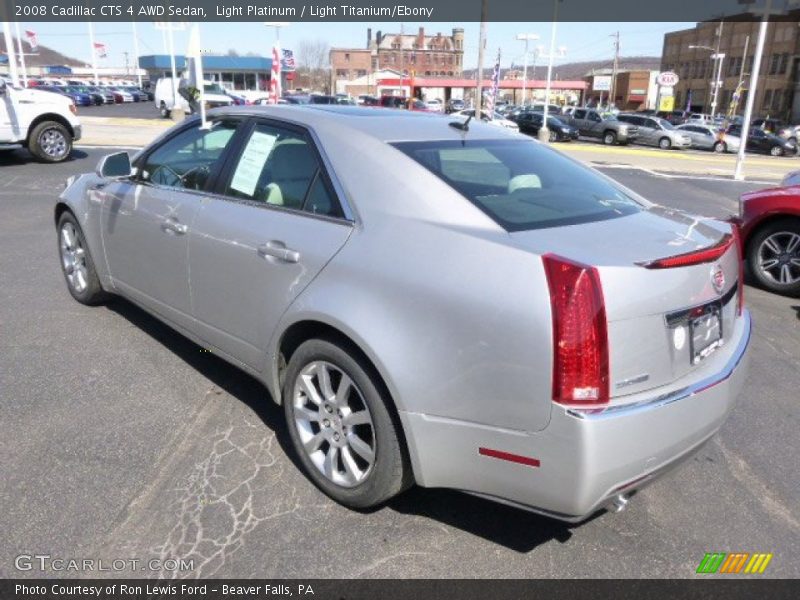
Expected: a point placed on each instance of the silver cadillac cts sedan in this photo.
(432, 301)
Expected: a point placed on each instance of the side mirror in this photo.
(114, 166)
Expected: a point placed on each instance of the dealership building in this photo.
(239, 73)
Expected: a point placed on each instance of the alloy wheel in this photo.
(73, 258)
(53, 143)
(334, 423)
(779, 257)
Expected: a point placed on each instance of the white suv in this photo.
(43, 122)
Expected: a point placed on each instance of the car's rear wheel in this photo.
(720, 147)
(665, 143)
(76, 262)
(774, 256)
(164, 111)
(341, 426)
(553, 136)
(776, 151)
(50, 142)
(609, 138)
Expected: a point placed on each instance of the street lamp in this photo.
(718, 58)
(526, 37)
(544, 132)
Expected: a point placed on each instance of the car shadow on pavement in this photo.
(516, 529)
(23, 157)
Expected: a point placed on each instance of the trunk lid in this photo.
(649, 310)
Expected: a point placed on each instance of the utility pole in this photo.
(12, 59)
(21, 53)
(717, 83)
(612, 98)
(544, 132)
(402, 64)
(481, 44)
(136, 55)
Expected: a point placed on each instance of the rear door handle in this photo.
(172, 226)
(277, 249)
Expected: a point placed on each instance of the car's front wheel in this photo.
(50, 142)
(341, 426)
(609, 138)
(776, 151)
(773, 256)
(720, 147)
(76, 262)
(665, 143)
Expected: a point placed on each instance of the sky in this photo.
(583, 41)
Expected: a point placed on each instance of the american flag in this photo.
(287, 63)
(32, 39)
(275, 77)
(100, 49)
(492, 99)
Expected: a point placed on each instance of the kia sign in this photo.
(667, 78)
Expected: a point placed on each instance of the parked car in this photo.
(779, 128)
(531, 122)
(591, 123)
(108, 97)
(321, 99)
(121, 96)
(367, 100)
(44, 122)
(653, 131)
(676, 117)
(78, 98)
(759, 140)
(608, 332)
(165, 100)
(394, 102)
(455, 105)
(138, 95)
(770, 225)
(497, 119)
(705, 137)
(435, 105)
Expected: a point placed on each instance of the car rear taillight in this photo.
(737, 237)
(696, 257)
(580, 334)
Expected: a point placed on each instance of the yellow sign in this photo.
(666, 104)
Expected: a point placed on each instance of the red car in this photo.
(770, 229)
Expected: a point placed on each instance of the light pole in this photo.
(544, 132)
(525, 37)
(717, 57)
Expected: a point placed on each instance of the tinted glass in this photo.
(279, 167)
(580, 114)
(186, 160)
(520, 184)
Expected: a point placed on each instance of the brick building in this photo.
(417, 54)
(777, 90)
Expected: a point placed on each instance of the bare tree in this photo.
(313, 63)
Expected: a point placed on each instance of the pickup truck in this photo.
(590, 123)
(43, 122)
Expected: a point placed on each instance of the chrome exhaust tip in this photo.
(618, 503)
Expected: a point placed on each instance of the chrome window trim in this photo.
(623, 410)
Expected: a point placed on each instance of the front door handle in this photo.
(172, 226)
(277, 249)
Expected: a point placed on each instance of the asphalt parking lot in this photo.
(121, 439)
(130, 110)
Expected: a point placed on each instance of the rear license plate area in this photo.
(705, 331)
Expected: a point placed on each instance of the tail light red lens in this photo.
(737, 237)
(580, 332)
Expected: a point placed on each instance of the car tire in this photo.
(76, 262)
(164, 111)
(665, 143)
(776, 151)
(553, 137)
(779, 234)
(50, 142)
(609, 138)
(318, 421)
(720, 147)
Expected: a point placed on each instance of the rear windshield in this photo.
(520, 184)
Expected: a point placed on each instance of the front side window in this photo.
(520, 184)
(279, 167)
(186, 160)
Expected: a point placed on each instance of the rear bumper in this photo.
(583, 458)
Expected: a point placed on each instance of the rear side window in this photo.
(520, 184)
(278, 166)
